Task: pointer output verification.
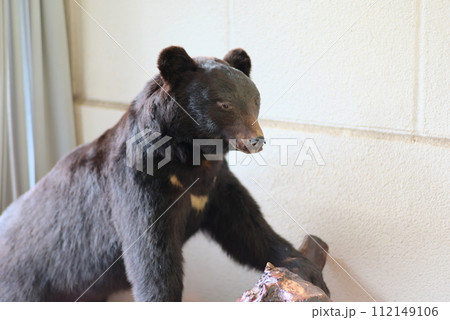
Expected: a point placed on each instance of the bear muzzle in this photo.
(252, 145)
(246, 137)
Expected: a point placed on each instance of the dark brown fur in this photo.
(92, 209)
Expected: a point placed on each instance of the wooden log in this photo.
(315, 249)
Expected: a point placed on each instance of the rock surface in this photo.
(282, 285)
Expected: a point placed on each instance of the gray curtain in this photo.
(36, 111)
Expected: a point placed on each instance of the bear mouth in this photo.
(245, 146)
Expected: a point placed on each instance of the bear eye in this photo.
(225, 106)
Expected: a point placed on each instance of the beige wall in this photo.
(369, 83)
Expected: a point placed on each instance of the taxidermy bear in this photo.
(94, 213)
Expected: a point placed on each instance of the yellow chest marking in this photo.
(198, 202)
(175, 182)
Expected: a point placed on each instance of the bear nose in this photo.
(256, 144)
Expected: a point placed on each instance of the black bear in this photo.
(94, 225)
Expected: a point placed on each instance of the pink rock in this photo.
(282, 285)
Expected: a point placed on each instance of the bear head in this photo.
(215, 98)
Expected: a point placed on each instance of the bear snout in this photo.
(255, 144)
(252, 145)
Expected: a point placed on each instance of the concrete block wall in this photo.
(367, 81)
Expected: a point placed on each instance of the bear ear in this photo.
(239, 59)
(173, 61)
